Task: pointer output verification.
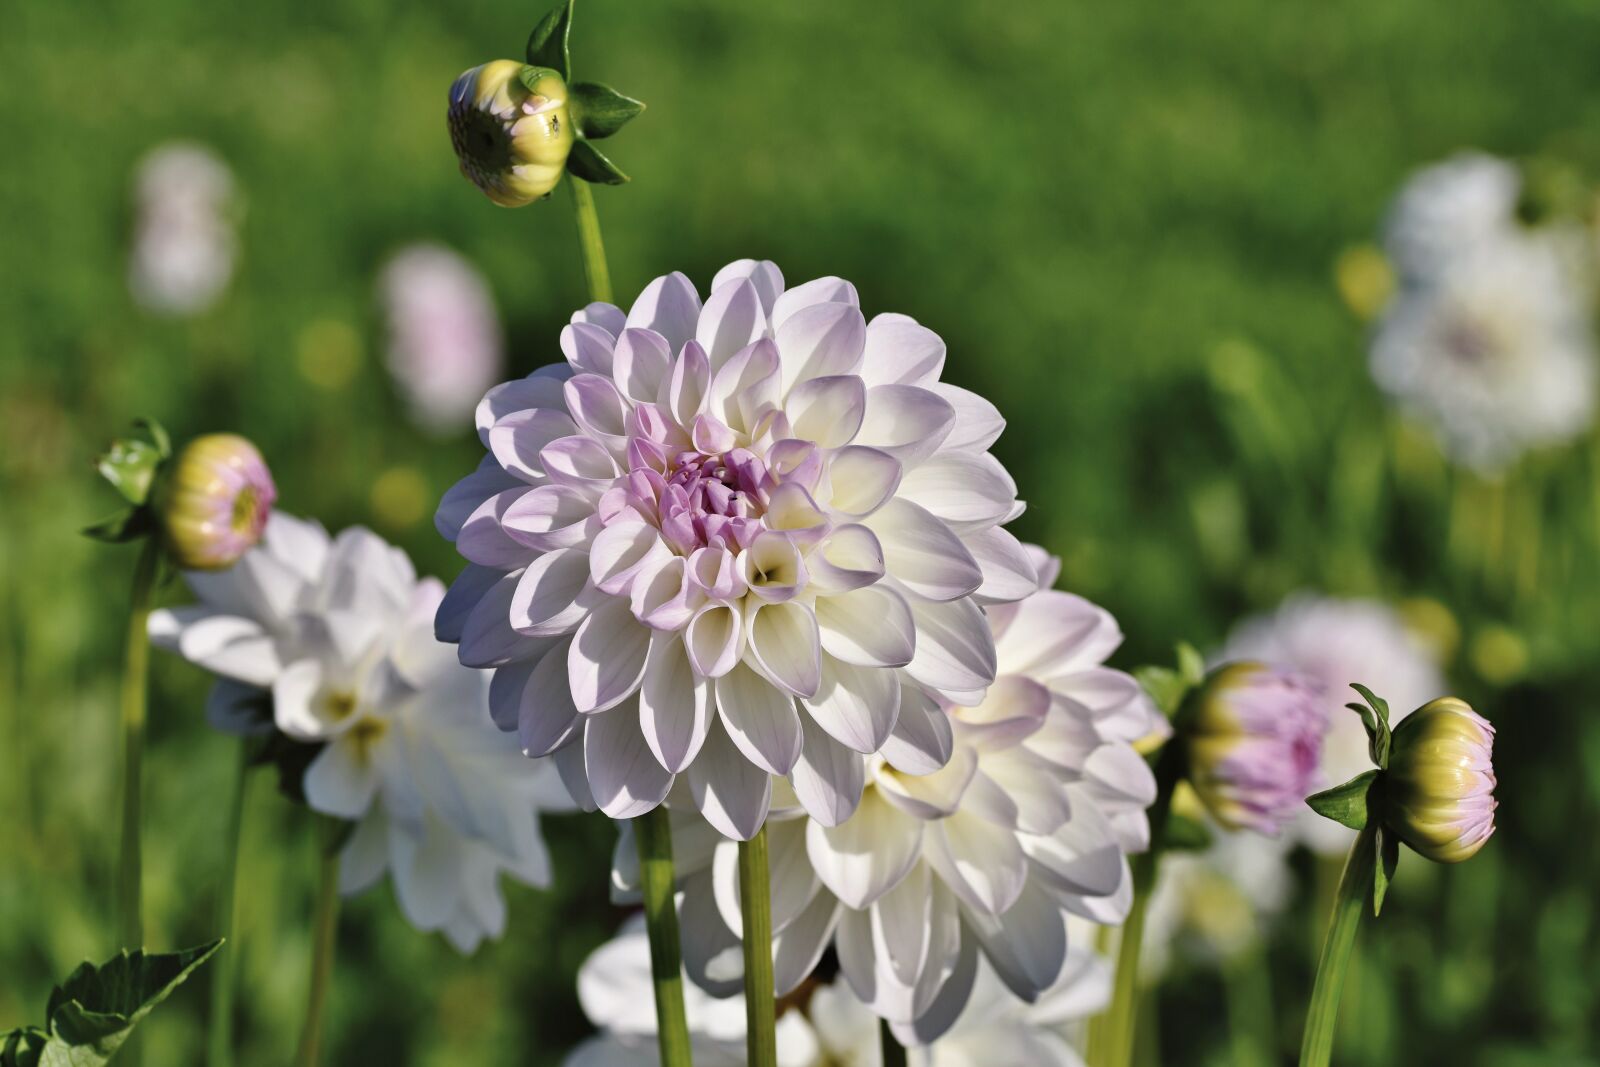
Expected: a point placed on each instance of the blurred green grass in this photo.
(1122, 218)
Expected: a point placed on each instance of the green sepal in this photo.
(1346, 804)
(129, 524)
(130, 466)
(547, 44)
(1184, 834)
(1387, 859)
(1375, 717)
(1168, 686)
(529, 76)
(91, 1014)
(1191, 665)
(599, 110)
(589, 163)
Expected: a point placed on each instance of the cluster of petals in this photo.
(329, 641)
(1016, 813)
(732, 542)
(828, 1026)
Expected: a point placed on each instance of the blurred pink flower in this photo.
(184, 240)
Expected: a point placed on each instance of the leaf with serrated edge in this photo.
(91, 1014)
(1345, 804)
(589, 163)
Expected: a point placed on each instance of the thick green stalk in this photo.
(1355, 890)
(894, 1053)
(224, 975)
(1111, 1034)
(755, 907)
(135, 684)
(652, 833)
(595, 271)
(324, 937)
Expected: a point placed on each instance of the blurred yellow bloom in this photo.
(511, 129)
(400, 497)
(1499, 655)
(1364, 279)
(328, 353)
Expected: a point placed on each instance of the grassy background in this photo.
(1123, 219)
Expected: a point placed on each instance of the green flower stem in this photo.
(755, 907)
(324, 937)
(595, 271)
(652, 833)
(1355, 891)
(894, 1053)
(135, 684)
(1111, 1034)
(1247, 987)
(219, 1037)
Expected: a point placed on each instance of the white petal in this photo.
(968, 490)
(548, 598)
(340, 780)
(1080, 859)
(827, 410)
(518, 438)
(807, 294)
(866, 855)
(730, 791)
(715, 639)
(872, 627)
(931, 796)
(463, 498)
(624, 777)
(1027, 943)
(793, 884)
(547, 517)
(608, 317)
(294, 701)
(947, 1007)
(569, 764)
(577, 460)
(505, 693)
(535, 391)
(669, 306)
(606, 662)
(977, 422)
(784, 644)
(546, 717)
(862, 480)
(365, 856)
(228, 645)
(856, 705)
(955, 650)
(921, 741)
(901, 352)
(1054, 634)
(587, 347)
(483, 538)
(732, 318)
(674, 704)
(621, 551)
(470, 586)
(760, 719)
(796, 949)
(820, 340)
(599, 408)
(828, 778)
(1008, 571)
(762, 273)
(922, 552)
(983, 865)
(906, 421)
(901, 925)
(643, 361)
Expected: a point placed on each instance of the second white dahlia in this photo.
(730, 539)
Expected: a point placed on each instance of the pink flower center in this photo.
(699, 500)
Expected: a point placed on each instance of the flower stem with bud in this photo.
(653, 834)
(324, 938)
(1355, 889)
(755, 907)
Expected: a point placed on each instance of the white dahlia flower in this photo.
(184, 240)
(445, 343)
(730, 540)
(1013, 814)
(1337, 642)
(334, 636)
(1490, 339)
(828, 1026)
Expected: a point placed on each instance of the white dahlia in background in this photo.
(1490, 339)
(1337, 642)
(730, 540)
(828, 1027)
(330, 642)
(983, 838)
(445, 343)
(184, 242)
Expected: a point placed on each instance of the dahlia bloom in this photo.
(1491, 337)
(334, 636)
(184, 241)
(828, 1026)
(1337, 641)
(1022, 815)
(1439, 787)
(511, 130)
(1255, 745)
(729, 541)
(445, 344)
(214, 501)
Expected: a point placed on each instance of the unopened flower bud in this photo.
(1255, 744)
(1440, 781)
(215, 501)
(511, 129)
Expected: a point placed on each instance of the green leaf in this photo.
(547, 44)
(1191, 665)
(23, 1047)
(600, 110)
(1186, 835)
(130, 466)
(1345, 804)
(1388, 858)
(158, 434)
(129, 524)
(1164, 685)
(1375, 717)
(589, 163)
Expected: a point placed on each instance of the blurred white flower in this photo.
(444, 337)
(732, 540)
(339, 634)
(1337, 642)
(979, 834)
(1490, 338)
(829, 1027)
(184, 241)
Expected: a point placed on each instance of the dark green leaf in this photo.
(130, 466)
(600, 110)
(22, 1048)
(1186, 835)
(1388, 858)
(1164, 685)
(1345, 804)
(590, 164)
(547, 44)
(1375, 717)
(129, 524)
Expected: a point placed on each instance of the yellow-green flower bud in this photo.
(214, 501)
(1440, 781)
(511, 129)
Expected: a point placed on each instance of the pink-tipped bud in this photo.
(1440, 782)
(215, 501)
